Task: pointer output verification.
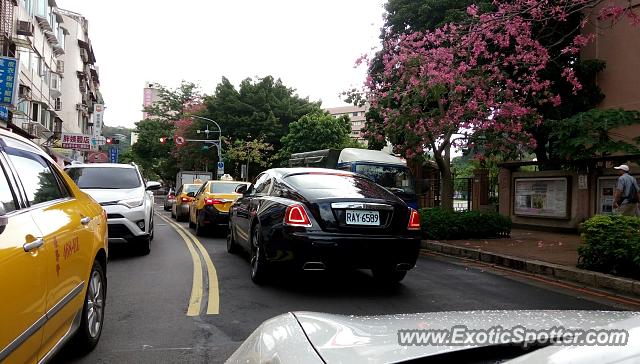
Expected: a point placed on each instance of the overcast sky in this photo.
(310, 44)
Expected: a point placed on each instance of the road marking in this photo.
(213, 305)
(197, 289)
(213, 302)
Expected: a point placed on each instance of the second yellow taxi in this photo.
(210, 205)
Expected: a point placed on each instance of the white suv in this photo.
(123, 194)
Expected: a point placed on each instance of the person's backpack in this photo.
(633, 194)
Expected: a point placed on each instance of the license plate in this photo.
(368, 218)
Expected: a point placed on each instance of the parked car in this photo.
(169, 199)
(180, 207)
(211, 203)
(123, 193)
(53, 257)
(310, 337)
(318, 218)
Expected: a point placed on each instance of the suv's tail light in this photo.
(213, 201)
(414, 220)
(171, 196)
(296, 215)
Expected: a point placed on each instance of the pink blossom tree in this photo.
(437, 88)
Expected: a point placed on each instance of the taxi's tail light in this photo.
(414, 220)
(213, 201)
(185, 199)
(296, 215)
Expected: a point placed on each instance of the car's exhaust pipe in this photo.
(403, 267)
(313, 266)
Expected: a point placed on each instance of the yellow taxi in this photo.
(211, 203)
(53, 257)
(184, 196)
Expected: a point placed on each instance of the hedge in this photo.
(449, 225)
(611, 245)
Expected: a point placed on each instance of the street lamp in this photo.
(216, 142)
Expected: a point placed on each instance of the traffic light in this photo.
(109, 141)
(116, 141)
(163, 140)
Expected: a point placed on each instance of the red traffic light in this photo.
(109, 141)
(163, 140)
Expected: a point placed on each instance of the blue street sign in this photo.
(113, 155)
(4, 113)
(8, 80)
(221, 165)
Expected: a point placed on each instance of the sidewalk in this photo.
(537, 252)
(538, 245)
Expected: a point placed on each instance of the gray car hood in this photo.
(374, 339)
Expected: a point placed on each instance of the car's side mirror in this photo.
(191, 194)
(152, 186)
(241, 189)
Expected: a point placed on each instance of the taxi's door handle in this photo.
(33, 245)
(85, 220)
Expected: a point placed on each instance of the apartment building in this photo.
(57, 88)
(33, 33)
(83, 105)
(151, 95)
(356, 115)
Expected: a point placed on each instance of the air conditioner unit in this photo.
(58, 104)
(24, 92)
(25, 28)
(60, 66)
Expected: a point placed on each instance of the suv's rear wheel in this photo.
(90, 328)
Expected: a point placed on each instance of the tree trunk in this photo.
(446, 192)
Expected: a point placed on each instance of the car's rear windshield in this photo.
(191, 188)
(336, 185)
(105, 178)
(224, 187)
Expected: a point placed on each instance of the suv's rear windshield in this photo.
(224, 187)
(105, 178)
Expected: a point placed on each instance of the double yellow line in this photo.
(197, 288)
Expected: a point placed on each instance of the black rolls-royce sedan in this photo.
(315, 219)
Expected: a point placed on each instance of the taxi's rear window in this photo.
(191, 188)
(224, 187)
(105, 178)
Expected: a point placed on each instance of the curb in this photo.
(560, 272)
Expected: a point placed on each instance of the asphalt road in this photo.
(149, 297)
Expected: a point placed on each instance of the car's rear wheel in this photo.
(200, 230)
(191, 224)
(90, 329)
(167, 208)
(388, 274)
(232, 246)
(259, 268)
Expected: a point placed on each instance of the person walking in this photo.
(627, 193)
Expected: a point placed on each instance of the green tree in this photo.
(262, 108)
(156, 159)
(250, 152)
(318, 130)
(591, 134)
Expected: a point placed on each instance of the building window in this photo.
(42, 8)
(35, 111)
(355, 113)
